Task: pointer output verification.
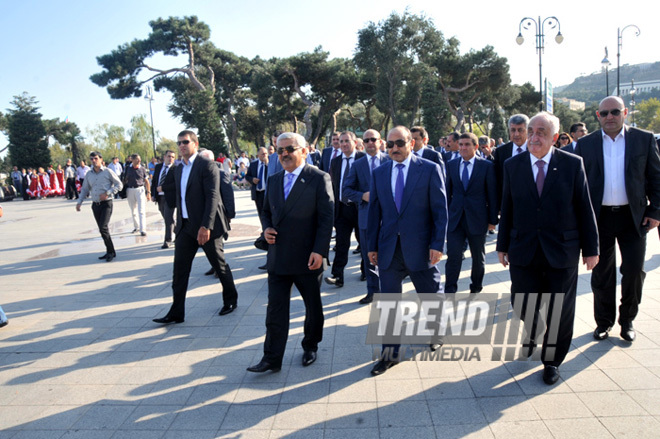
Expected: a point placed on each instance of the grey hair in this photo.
(206, 153)
(519, 119)
(298, 140)
(551, 118)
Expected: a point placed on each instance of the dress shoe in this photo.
(263, 366)
(3, 324)
(110, 257)
(628, 332)
(357, 251)
(165, 245)
(167, 320)
(263, 267)
(105, 256)
(134, 231)
(491, 232)
(308, 358)
(602, 332)
(363, 277)
(367, 299)
(226, 309)
(550, 375)
(336, 281)
(143, 233)
(435, 346)
(382, 366)
(209, 273)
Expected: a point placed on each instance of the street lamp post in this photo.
(149, 96)
(539, 25)
(632, 102)
(606, 65)
(619, 40)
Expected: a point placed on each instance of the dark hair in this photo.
(95, 154)
(190, 134)
(470, 136)
(421, 130)
(577, 126)
(455, 135)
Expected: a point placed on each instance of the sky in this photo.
(50, 48)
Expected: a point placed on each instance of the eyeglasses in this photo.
(93, 158)
(289, 149)
(370, 139)
(614, 112)
(183, 142)
(399, 142)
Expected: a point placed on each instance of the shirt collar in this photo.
(296, 171)
(622, 133)
(546, 158)
(190, 160)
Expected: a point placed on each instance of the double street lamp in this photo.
(539, 25)
(619, 40)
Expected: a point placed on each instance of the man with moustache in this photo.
(516, 145)
(451, 150)
(329, 154)
(623, 170)
(298, 213)
(356, 189)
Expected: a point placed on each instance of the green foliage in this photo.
(567, 117)
(140, 138)
(28, 144)
(647, 115)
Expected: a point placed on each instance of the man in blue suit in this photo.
(407, 222)
(472, 200)
(273, 159)
(314, 157)
(451, 151)
(330, 153)
(421, 138)
(356, 189)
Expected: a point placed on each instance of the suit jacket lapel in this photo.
(297, 189)
(552, 174)
(411, 181)
(598, 151)
(476, 171)
(527, 175)
(628, 152)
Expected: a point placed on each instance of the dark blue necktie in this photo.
(373, 163)
(466, 175)
(260, 176)
(398, 188)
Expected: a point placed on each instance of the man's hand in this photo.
(203, 235)
(159, 189)
(491, 227)
(255, 181)
(504, 258)
(650, 223)
(315, 261)
(373, 258)
(77, 207)
(270, 235)
(434, 256)
(103, 196)
(590, 261)
(365, 197)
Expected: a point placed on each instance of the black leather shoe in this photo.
(550, 375)
(110, 257)
(382, 366)
(367, 299)
(143, 233)
(134, 231)
(3, 324)
(308, 358)
(226, 309)
(439, 341)
(209, 273)
(167, 320)
(628, 332)
(263, 267)
(357, 251)
(336, 281)
(263, 366)
(363, 277)
(602, 332)
(165, 245)
(105, 256)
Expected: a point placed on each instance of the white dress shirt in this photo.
(185, 175)
(614, 153)
(395, 173)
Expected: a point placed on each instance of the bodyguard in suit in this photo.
(451, 151)
(313, 157)
(421, 138)
(298, 215)
(546, 220)
(201, 222)
(472, 212)
(163, 192)
(330, 153)
(356, 189)
(516, 145)
(623, 170)
(407, 222)
(346, 211)
(257, 175)
(273, 159)
(577, 131)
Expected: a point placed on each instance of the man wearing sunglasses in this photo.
(406, 224)
(200, 222)
(623, 170)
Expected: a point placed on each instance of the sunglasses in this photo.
(183, 142)
(289, 149)
(563, 138)
(400, 143)
(370, 139)
(614, 112)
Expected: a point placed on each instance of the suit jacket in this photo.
(641, 172)
(226, 194)
(561, 220)
(422, 221)
(303, 221)
(478, 202)
(358, 182)
(447, 156)
(168, 185)
(252, 173)
(315, 158)
(435, 157)
(335, 175)
(569, 148)
(203, 200)
(326, 155)
(274, 164)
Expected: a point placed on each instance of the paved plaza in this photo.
(81, 357)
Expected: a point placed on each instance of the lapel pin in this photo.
(554, 169)
(302, 180)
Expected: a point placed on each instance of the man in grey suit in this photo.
(298, 214)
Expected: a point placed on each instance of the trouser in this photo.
(455, 243)
(71, 189)
(18, 184)
(137, 202)
(373, 285)
(259, 202)
(346, 221)
(168, 216)
(102, 213)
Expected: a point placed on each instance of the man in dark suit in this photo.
(273, 159)
(623, 170)
(486, 151)
(165, 199)
(546, 220)
(356, 189)
(517, 145)
(451, 151)
(313, 157)
(420, 149)
(472, 212)
(298, 216)
(407, 223)
(577, 131)
(346, 212)
(330, 153)
(201, 222)
(257, 175)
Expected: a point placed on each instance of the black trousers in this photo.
(613, 227)
(345, 222)
(541, 279)
(277, 313)
(184, 253)
(102, 213)
(71, 189)
(167, 213)
(455, 247)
